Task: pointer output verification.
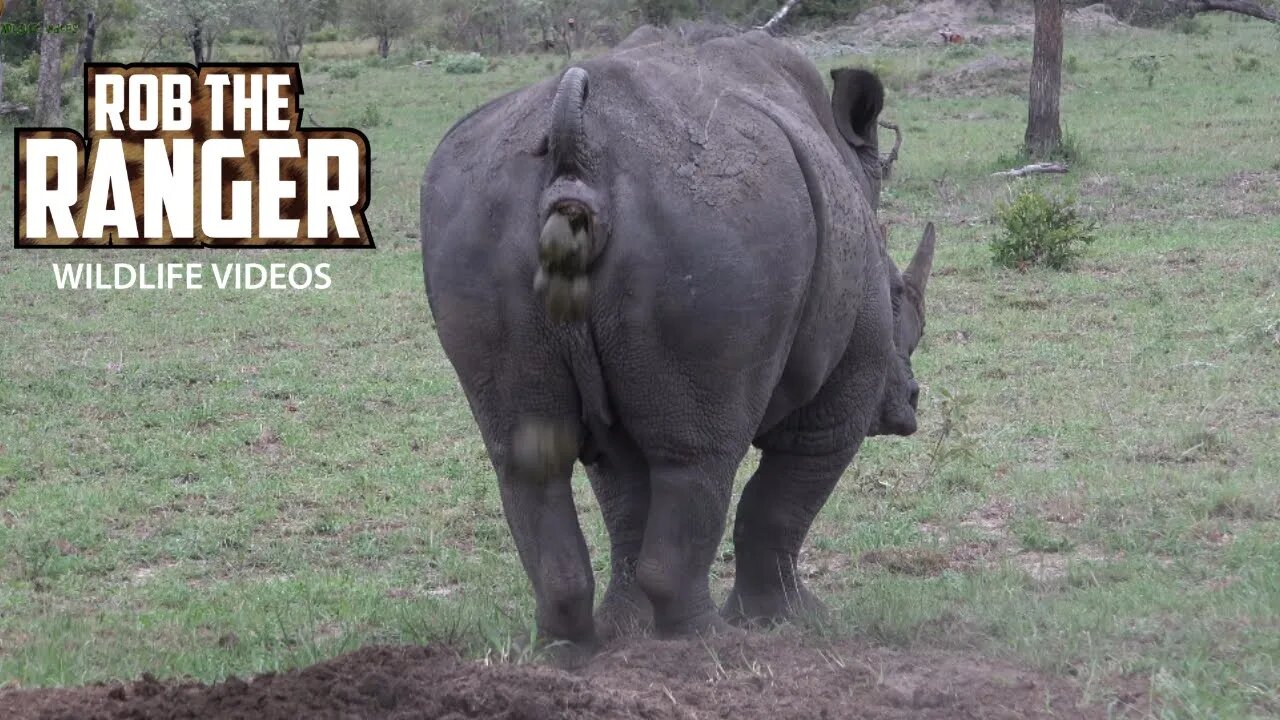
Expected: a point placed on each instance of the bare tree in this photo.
(49, 86)
(386, 20)
(1044, 130)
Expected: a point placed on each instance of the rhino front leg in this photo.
(687, 509)
(537, 499)
(803, 459)
(777, 508)
(621, 486)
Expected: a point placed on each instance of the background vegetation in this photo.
(218, 482)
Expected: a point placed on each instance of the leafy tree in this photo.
(384, 19)
(285, 23)
(199, 23)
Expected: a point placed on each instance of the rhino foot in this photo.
(705, 624)
(769, 608)
(624, 613)
(570, 655)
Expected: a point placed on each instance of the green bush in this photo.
(1039, 231)
(1247, 63)
(1146, 66)
(325, 34)
(464, 63)
(1189, 26)
(371, 117)
(345, 72)
(244, 37)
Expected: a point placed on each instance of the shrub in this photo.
(243, 37)
(1188, 25)
(345, 72)
(1146, 66)
(464, 64)
(1247, 63)
(371, 117)
(1039, 231)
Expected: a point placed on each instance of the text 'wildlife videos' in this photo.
(192, 276)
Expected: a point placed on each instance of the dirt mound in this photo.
(967, 21)
(755, 676)
(985, 77)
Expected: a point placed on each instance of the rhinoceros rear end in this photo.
(651, 281)
(571, 237)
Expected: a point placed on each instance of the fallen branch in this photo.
(771, 27)
(12, 108)
(1033, 169)
(1244, 7)
(886, 162)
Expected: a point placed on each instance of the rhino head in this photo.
(906, 290)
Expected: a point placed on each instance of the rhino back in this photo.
(715, 272)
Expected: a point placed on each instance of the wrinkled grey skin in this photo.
(649, 264)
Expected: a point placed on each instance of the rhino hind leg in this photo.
(537, 499)
(687, 508)
(621, 486)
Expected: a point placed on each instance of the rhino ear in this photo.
(857, 97)
(916, 275)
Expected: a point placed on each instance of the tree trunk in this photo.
(1244, 7)
(196, 38)
(49, 88)
(85, 53)
(384, 45)
(1044, 132)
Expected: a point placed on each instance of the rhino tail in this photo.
(573, 229)
(567, 138)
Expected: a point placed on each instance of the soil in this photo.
(968, 21)
(742, 677)
(984, 77)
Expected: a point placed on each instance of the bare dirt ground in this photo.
(756, 676)
(974, 21)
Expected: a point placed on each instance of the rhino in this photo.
(649, 263)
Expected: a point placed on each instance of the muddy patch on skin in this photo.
(751, 676)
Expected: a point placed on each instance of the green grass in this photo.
(203, 483)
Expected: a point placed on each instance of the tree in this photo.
(85, 53)
(286, 23)
(198, 22)
(1044, 131)
(384, 19)
(49, 86)
(1244, 7)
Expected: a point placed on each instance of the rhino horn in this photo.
(917, 273)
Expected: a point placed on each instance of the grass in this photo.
(217, 482)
